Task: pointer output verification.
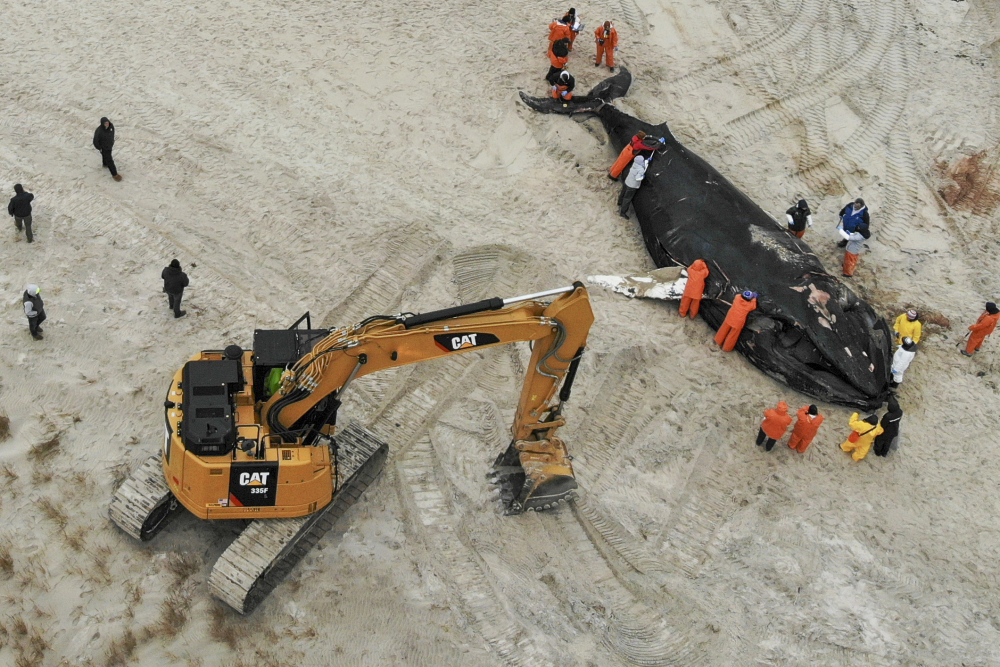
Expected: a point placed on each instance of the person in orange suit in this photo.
(809, 420)
(607, 44)
(558, 57)
(695, 288)
(983, 327)
(772, 429)
(640, 145)
(730, 330)
(563, 87)
(558, 30)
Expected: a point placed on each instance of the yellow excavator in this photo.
(252, 435)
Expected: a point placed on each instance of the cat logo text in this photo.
(253, 478)
(464, 341)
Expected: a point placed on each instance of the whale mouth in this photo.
(786, 351)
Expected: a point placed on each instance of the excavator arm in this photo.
(535, 471)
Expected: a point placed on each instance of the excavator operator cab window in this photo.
(275, 350)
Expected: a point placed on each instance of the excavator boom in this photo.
(535, 472)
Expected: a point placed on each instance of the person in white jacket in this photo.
(632, 182)
(901, 361)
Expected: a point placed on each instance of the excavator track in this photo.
(267, 550)
(143, 504)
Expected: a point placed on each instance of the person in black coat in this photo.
(20, 208)
(890, 428)
(104, 141)
(174, 282)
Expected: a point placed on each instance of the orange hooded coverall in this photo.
(805, 430)
(695, 288)
(866, 435)
(776, 421)
(628, 154)
(730, 330)
(983, 327)
(607, 48)
(557, 31)
(557, 61)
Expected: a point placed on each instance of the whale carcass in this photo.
(809, 330)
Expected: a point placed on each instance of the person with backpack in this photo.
(863, 434)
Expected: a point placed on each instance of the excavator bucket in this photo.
(534, 475)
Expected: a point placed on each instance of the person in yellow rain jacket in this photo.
(860, 441)
(907, 326)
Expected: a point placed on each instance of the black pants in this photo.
(26, 223)
(761, 437)
(109, 162)
(35, 324)
(175, 302)
(625, 199)
(552, 75)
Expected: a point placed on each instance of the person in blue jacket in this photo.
(853, 217)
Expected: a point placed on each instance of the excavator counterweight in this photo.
(253, 435)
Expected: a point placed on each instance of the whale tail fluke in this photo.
(607, 90)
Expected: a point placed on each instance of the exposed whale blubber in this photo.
(809, 330)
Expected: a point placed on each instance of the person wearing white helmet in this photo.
(34, 310)
(901, 361)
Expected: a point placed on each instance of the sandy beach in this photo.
(373, 157)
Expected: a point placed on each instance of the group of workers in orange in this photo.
(562, 36)
(776, 423)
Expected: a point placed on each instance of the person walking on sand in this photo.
(864, 431)
(607, 43)
(890, 427)
(34, 310)
(798, 218)
(852, 217)
(983, 327)
(104, 141)
(632, 182)
(736, 318)
(20, 209)
(694, 289)
(901, 361)
(907, 326)
(855, 242)
(174, 282)
(772, 429)
(806, 426)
